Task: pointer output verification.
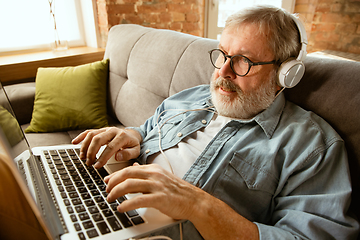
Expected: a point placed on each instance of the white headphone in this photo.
(292, 70)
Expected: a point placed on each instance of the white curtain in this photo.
(28, 24)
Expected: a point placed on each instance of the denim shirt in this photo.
(285, 170)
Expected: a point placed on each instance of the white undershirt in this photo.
(183, 155)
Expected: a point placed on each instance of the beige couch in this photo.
(148, 65)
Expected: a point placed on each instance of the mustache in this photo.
(221, 82)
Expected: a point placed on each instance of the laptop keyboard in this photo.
(83, 191)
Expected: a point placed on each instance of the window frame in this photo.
(211, 30)
(88, 30)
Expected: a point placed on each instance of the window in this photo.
(29, 25)
(217, 12)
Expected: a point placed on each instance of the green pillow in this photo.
(70, 98)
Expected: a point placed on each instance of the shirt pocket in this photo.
(246, 187)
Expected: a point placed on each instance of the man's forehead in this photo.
(244, 39)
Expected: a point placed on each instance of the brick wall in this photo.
(180, 15)
(331, 24)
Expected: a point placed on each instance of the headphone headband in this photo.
(291, 71)
(303, 38)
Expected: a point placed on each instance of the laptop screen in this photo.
(30, 173)
(10, 127)
(14, 146)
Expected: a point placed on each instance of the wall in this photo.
(330, 24)
(180, 15)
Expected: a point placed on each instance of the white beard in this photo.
(244, 106)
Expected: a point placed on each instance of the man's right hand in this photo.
(124, 143)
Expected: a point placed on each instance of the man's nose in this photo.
(226, 71)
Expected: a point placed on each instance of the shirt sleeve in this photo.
(313, 203)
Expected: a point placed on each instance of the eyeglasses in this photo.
(239, 64)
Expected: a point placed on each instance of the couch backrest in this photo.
(148, 65)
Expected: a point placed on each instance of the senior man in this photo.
(234, 158)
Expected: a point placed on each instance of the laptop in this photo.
(68, 197)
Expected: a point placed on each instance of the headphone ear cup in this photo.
(290, 73)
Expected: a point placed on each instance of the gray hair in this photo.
(274, 23)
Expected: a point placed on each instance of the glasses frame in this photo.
(250, 63)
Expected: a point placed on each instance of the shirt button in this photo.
(179, 134)
(203, 121)
(147, 151)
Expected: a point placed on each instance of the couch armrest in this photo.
(22, 97)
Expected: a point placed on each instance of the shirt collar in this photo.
(267, 119)
(270, 117)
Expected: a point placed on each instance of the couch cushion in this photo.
(51, 138)
(56, 138)
(70, 98)
(174, 61)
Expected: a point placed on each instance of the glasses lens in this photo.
(217, 58)
(240, 65)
